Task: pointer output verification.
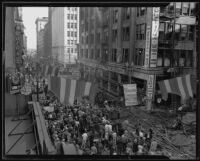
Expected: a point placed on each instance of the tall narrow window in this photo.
(185, 8)
(177, 32)
(142, 11)
(192, 8)
(183, 32)
(191, 32)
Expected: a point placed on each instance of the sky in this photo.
(30, 14)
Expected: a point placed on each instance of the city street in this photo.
(117, 81)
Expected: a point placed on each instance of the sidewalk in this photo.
(26, 142)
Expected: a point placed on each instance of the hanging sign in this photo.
(150, 85)
(147, 46)
(130, 93)
(154, 37)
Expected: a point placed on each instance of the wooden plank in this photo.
(49, 145)
(40, 132)
(38, 125)
(35, 109)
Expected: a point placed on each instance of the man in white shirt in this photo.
(84, 137)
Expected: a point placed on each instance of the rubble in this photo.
(174, 143)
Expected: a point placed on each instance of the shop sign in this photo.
(130, 93)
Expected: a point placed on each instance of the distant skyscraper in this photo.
(40, 24)
(65, 34)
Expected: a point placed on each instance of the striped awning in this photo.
(183, 86)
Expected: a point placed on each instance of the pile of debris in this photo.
(170, 141)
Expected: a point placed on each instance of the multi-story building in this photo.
(65, 34)
(40, 24)
(48, 39)
(14, 51)
(134, 45)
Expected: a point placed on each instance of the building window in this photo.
(72, 25)
(140, 31)
(81, 53)
(114, 34)
(114, 76)
(68, 25)
(75, 9)
(68, 42)
(72, 16)
(87, 39)
(142, 11)
(68, 8)
(182, 58)
(68, 16)
(183, 32)
(75, 25)
(167, 58)
(114, 55)
(189, 58)
(124, 79)
(91, 53)
(178, 8)
(125, 33)
(105, 55)
(97, 53)
(138, 11)
(192, 9)
(185, 8)
(115, 16)
(105, 36)
(98, 37)
(72, 33)
(177, 32)
(71, 41)
(191, 32)
(68, 33)
(72, 50)
(168, 34)
(127, 12)
(160, 58)
(75, 17)
(68, 50)
(86, 53)
(92, 38)
(162, 31)
(75, 34)
(125, 55)
(86, 26)
(139, 57)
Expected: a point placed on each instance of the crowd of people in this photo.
(92, 131)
